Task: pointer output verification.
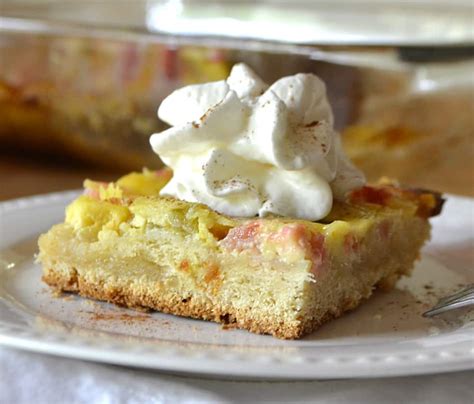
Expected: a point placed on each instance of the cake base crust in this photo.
(237, 318)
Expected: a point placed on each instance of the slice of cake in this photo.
(263, 222)
(274, 275)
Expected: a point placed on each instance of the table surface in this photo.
(24, 176)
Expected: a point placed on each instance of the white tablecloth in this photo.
(35, 378)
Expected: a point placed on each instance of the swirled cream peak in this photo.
(245, 149)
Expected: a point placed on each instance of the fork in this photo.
(462, 298)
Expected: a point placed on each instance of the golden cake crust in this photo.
(243, 319)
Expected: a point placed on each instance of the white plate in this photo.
(386, 336)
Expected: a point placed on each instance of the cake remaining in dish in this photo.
(272, 275)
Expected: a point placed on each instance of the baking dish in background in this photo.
(84, 79)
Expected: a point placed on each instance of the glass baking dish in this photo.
(84, 79)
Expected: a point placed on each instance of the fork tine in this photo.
(443, 308)
(462, 298)
(467, 291)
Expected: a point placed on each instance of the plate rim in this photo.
(429, 361)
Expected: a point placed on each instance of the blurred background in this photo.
(80, 80)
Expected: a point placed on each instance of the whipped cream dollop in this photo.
(245, 148)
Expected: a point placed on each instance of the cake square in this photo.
(273, 275)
